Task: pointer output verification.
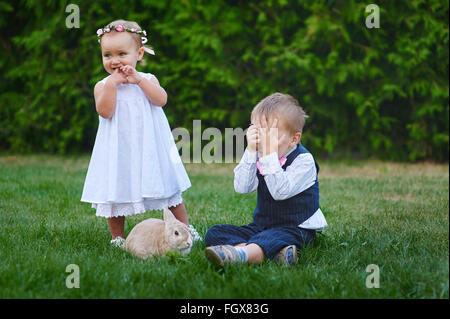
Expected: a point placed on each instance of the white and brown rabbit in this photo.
(155, 237)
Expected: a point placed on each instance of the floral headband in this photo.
(121, 28)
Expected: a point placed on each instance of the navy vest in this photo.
(292, 211)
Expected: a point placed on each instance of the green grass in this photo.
(391, 215)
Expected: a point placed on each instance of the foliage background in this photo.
(369, 92)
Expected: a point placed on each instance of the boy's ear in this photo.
(296, 138)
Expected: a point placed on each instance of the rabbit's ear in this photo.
(168, 216)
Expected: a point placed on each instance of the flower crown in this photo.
(121, 28)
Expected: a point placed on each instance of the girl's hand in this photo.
(118, 77)
(131, 74)
(252, 138)
(268, 133)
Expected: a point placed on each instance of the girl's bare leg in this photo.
(180, 213)
(116, 226)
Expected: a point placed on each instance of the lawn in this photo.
(392, 215)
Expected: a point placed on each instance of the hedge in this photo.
(370, 92)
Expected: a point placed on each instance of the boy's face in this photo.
(286, 142)
(119, 49)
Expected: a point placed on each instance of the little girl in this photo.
(135, 165)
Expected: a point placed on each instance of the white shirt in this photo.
(297, 177)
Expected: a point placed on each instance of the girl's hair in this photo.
(136, 37)
(285, 107)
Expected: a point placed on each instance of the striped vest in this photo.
(292, 211)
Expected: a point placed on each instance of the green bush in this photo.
(369, 92)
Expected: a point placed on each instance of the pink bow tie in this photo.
(282, 161)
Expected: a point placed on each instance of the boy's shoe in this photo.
(222, 255)
(118, 242)
(195, 234)
(288, 255)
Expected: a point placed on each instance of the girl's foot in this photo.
(195, 234)
(118, 242)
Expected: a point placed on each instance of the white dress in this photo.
(135, 165)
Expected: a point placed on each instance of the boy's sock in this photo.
(243, 255)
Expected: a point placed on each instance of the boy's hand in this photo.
(131, 74)
(268, 134)
(252, 138)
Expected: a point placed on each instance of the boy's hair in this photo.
(283, 106)
(136, 37)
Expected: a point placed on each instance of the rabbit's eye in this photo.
(176, 233)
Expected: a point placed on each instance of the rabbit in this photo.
(155, 237)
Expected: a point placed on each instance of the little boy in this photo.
(287, 212)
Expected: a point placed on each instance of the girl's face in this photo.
(119, 49)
